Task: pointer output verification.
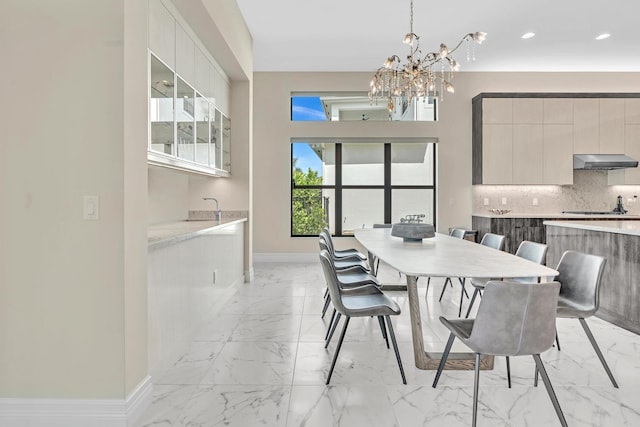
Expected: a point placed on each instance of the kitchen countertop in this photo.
(169, 233)
(557, 216)
(620, 227)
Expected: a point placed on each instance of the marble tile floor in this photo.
(260, 361)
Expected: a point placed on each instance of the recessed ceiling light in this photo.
(603, 36)
(528, 35)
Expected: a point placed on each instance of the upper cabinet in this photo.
(531, 138)
(188, 98)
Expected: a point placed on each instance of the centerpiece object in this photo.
(411, 229)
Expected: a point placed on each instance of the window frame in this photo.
(338, 187)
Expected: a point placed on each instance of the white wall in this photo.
(273, 131)
(63, 278)
(73, 293)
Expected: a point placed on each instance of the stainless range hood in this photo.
(603, 162)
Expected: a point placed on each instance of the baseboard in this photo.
(76, 412)
(248, 275)
(139, 400)
(296, 257)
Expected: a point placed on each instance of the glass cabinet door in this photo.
(226, 143)
(218, 139)
(161, 107)
(202, 130)
(185, 112)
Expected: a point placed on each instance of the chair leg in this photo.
(508, 372)
(547, 384)
(335, 356)
(333, 316)
(583, 322)
(428, 283)
(557, 340)
(463, 281)
(444, 288)
(395, 348)
(476, 383)
(462, 294)
(383, 329)
(333, 329)
(443, 360)
(473, 299)
(535, 377)
(327, 300)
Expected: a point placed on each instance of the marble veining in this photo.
(259, 360)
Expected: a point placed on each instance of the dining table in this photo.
(443, 256)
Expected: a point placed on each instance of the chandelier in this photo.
(421, 75)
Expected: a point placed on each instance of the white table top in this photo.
(445, 256)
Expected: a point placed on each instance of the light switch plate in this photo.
(91, 208)
(535, 201)
(504, 200)
(486, 201)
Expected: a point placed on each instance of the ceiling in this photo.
(358, 35)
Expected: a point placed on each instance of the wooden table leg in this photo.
(424, 360)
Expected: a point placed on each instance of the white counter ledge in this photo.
(555, 216)
(631, 228)
(169, 233)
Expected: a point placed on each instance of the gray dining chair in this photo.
(532, 251)
(491, 240)
(350, 263)
(375, 303)
(352, 281)
(340, 253)
(514, 319)
(458, 233)
(352, 271)
(580, 277)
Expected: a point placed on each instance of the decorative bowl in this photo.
(499, 211)
(413, 232)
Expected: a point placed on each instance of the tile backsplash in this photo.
(590, 191)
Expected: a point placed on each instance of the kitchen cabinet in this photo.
(185, 55)
(611, 131)
(189, 105)
(162, 33)
(528, 153)
(557, 163)
(515, 230)
(558, 111)
(497, 154)
(546, 129)
(586, 126)
(188, 276)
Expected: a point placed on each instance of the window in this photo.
(354, 184)
(346, 106)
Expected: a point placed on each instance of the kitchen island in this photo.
(617, 241)
(529, 226)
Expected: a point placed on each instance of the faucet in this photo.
(619, 209)
(218, 212)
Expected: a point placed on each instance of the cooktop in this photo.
(593, 212)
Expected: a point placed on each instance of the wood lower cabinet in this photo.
(514, 229)
(619, 291)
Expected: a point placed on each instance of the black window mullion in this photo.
(433, 169)
(338, 195)
(387, 183)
